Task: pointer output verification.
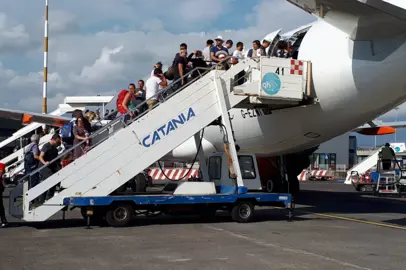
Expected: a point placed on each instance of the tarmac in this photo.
(334, 228)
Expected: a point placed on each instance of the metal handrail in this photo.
(18, 162)
(121, 117)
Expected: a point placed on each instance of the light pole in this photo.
(44, 86)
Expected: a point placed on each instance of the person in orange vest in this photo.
(2, 211)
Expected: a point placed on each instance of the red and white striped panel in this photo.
(296, 67)
(319, 173)
(174, 174)
(303, 176)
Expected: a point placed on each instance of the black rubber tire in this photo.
(119, 215)
(139, 183)
(363, 189)
(242, 212)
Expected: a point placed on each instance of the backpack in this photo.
(67, 133)
(30, 163)
(119, 102)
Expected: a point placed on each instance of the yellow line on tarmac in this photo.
(380, 224)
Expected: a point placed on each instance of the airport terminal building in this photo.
(338, 154)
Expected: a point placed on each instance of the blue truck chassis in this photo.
(118, 211)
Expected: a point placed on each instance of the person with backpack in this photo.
(127, 102)
(31, 160)
(66, 132)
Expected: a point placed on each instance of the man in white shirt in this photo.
(206, 50)
(239, 53)
(152, 87)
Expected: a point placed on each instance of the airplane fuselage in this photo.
(355, 82)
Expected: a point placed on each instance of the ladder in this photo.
(363, 166)
(390, 181)
(126, 149)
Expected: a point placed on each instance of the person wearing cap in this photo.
(2, 211)
(152, 87)
(218, 52)
(31, 160)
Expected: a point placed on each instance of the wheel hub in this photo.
(120, 214)
(244, 211)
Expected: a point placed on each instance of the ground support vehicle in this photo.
(119, 210)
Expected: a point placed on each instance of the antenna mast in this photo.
(45, 85)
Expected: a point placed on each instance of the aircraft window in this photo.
(215, 168)
(247, 167)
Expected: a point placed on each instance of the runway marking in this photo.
(375, 223)
(297, 251)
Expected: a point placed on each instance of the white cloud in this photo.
(99, 46)
(103, 70)
(63, 22)
(12, 36)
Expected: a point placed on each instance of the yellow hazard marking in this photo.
(376, 223)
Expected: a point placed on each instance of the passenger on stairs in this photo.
(229, 45)
(198, 62)
(157, 65)
(48, 153)
(387, 155)
(31, 160)
(206, 51)
(81, 134)
(152, 87)
(2, 211)
(130, 103)
(179, 66)
(140, 95)
(218, 52)
(282, 51)
(256, 51)
(266, 47)
(238, 55)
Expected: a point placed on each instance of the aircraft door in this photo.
(273, 38)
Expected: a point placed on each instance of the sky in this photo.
(97, 47)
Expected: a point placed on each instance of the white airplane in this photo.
(358, 54)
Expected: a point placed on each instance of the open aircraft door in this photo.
(273, 38)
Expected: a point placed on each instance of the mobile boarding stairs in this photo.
(128, 148)
(392, 181)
